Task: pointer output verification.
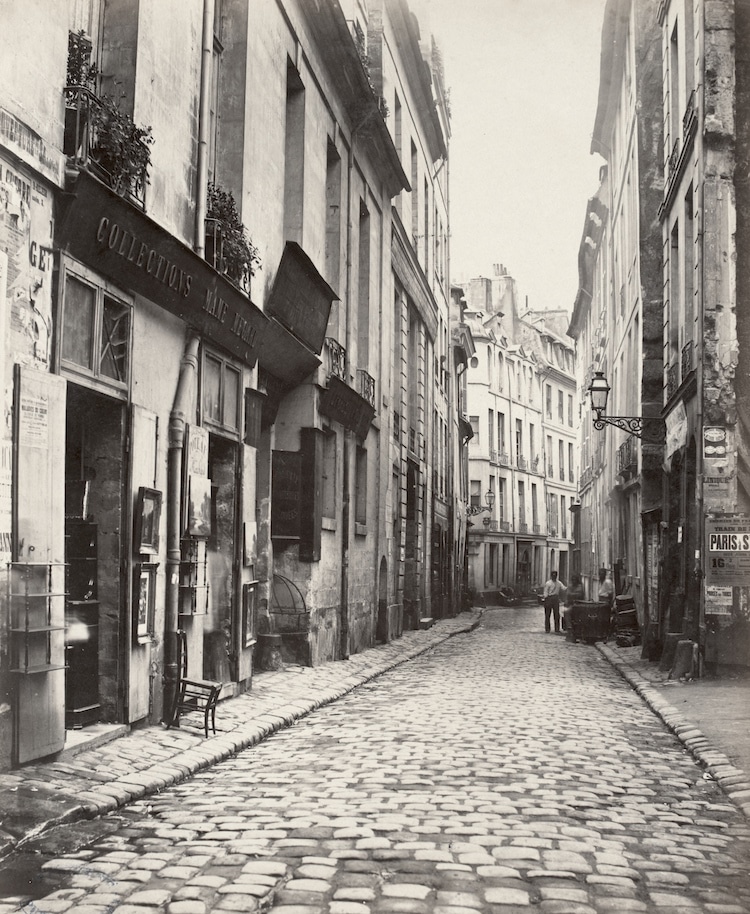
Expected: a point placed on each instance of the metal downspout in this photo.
(184, 399)
(207, 47)
(183, 404)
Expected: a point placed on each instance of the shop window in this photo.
(221, 393)
(96, 329)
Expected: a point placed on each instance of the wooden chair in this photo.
(193, 695)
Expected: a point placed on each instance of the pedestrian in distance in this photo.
(606, 594)
(553, 591)
(575, 594)
(606, 588)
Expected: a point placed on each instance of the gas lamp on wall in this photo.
(471, 510)
(599, 392)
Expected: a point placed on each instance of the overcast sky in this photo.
(523, 78)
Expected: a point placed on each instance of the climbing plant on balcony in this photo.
(121, 148)
(234, 254)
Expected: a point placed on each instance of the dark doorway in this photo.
(95, 620)
(219, 631)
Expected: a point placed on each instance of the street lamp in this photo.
(599, 393)
(471, 510)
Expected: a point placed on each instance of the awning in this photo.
(300, 298)
(108, 234)
(283, 356)
(345, 405)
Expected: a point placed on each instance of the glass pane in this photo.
(115, 338)
(231, 396)
(211, 389)
(78, 322)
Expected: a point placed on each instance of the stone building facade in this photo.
(662, 269)
(228, 371)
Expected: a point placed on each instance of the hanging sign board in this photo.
(728, 550)
(286, 482)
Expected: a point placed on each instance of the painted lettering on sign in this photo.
(132, 249)
(729, 542)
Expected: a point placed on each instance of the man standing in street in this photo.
(606, 594)
(551, 596)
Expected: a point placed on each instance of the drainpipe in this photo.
(345, 512)
(207, 47)
(183, 399)
(181, 408)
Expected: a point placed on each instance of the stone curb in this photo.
(107, 797)
(733, 781)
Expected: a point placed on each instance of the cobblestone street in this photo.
(506, 770)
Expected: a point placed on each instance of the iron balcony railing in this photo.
(627, 456)
(336, 358)
(691, 113)
(366, 384)
(505, 526)
(537, 528)
(522, 463)
(504, 460)
(674, 157)
(105, 141)
(687, 359)
(523, 528)
(673, 380)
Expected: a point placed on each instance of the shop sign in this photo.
(108, 234)
(728, 550)
(300, 298)
(286, 483)
(30, 148)
(342, 404)
(714, 442)
(677, 427)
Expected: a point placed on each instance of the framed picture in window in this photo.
(144, 585)
(147, 518)
(249, 613)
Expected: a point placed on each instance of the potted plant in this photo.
(121, 149)
(80, 83)
(234, 253)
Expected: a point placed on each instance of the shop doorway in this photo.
(219, 633)
(523, 571)
(94, 617)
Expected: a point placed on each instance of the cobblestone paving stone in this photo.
(505, 771)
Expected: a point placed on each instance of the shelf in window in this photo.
(38, 628)
(37, 596)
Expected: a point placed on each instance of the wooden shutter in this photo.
(39, 536)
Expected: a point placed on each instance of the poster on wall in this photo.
(26, 240)
(728, 550)
(199, 507)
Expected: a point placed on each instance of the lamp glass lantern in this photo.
(599, 393)
(490, 498)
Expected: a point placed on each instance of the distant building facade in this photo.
(521, 397)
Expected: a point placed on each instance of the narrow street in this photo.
(507, 770)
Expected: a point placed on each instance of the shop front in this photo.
(144, 528)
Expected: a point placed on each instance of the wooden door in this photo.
(143, 472)
(39, 536)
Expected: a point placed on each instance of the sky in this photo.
(523, 77)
